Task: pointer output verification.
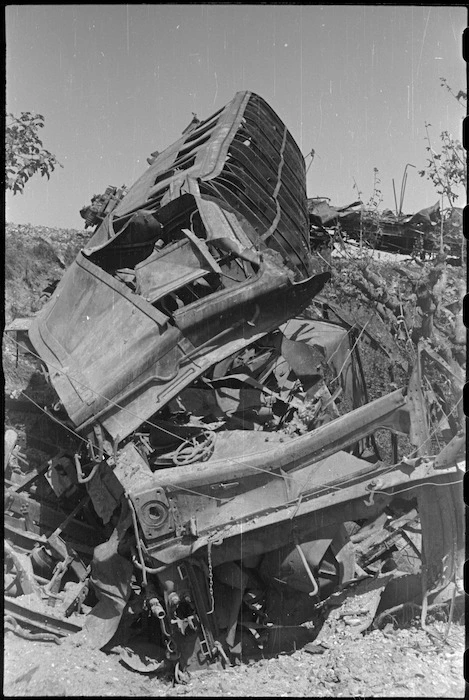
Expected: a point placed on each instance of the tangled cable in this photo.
(192, 450)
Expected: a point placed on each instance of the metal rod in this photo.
(395, 197)
(70, 516)
(308, 570)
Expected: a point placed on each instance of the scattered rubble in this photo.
(216, 490)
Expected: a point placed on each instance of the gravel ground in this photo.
(403, 662)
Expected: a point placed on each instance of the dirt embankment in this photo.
(35, 256)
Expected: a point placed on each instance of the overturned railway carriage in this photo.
(226, 435)
(206, 253)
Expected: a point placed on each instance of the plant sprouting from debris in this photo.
(370, 227)
(377, 196)
(24, 152)
(446, 169)
(446, 166)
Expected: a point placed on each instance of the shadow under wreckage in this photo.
(225, 464)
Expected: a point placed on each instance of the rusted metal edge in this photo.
(378, 486)
(38, 620)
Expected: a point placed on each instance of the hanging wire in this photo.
(351, 351)
(232, 459)
(56, 420)
(80, 437)
(454, 408)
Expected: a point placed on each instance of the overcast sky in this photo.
(116, 82)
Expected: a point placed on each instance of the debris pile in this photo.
(418, 234)
(222, 481)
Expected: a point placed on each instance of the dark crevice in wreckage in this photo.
(224, 481)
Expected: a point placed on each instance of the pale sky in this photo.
(115, 82)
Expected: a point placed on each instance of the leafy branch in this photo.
(370, 220)
(24, 152)
(446, 168)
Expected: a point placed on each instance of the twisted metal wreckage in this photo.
(225, 465)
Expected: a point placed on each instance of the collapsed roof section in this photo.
(207, 252)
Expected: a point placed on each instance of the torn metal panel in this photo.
(106, 492)
(443, 532)
(145, 359)
(110, 576)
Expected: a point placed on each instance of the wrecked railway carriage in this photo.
(225, 459)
